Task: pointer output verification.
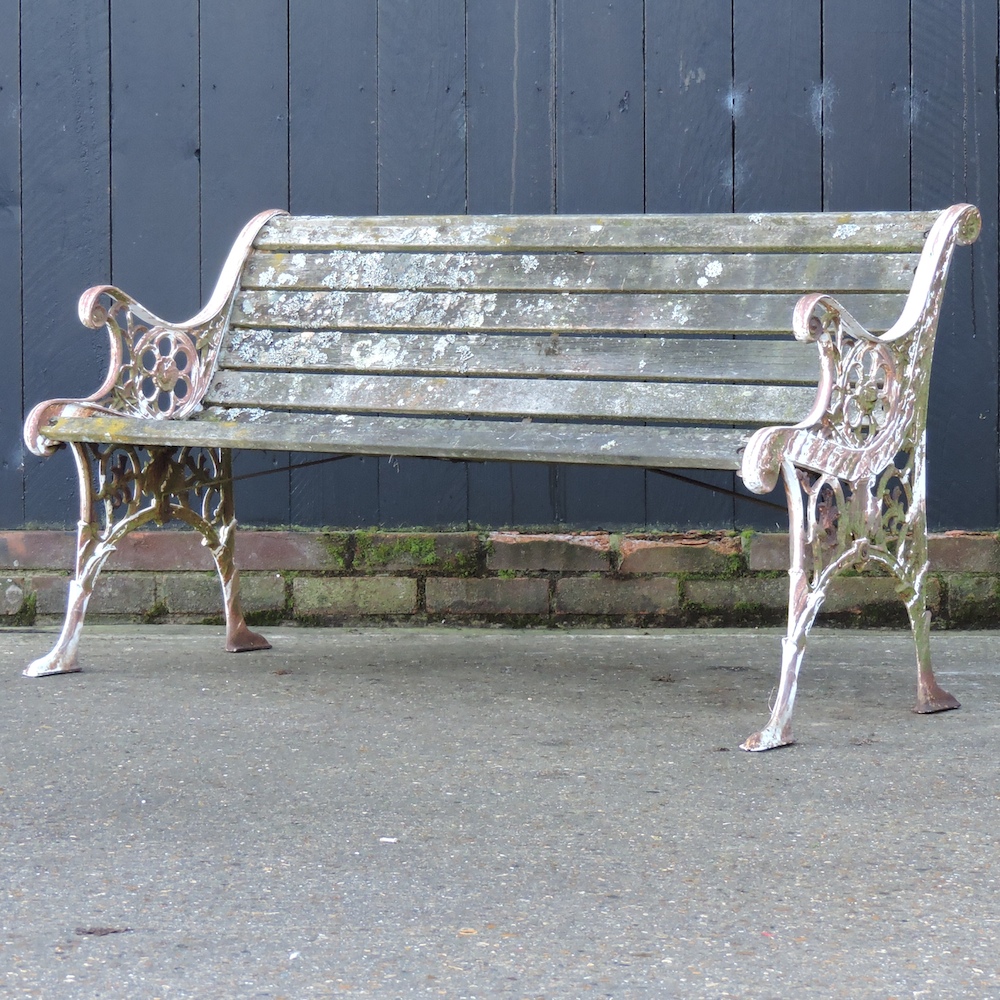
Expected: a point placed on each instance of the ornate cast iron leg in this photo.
(116, 490)
(778, 731)
(134, 488)
(822, 541)
(222, 544)
(911, 568)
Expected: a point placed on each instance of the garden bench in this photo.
(651, 341)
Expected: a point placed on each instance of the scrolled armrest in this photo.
(861, 412)
(156, 369)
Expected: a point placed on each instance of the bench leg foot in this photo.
(931, 697)
(61, 659)
(778, 731)
(220, 537)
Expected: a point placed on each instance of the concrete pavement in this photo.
(495, 813)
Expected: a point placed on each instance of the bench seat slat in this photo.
(570, 272)
(516, 441)
(529, 312)
(839, 232)
(512, 397)
(691, 359)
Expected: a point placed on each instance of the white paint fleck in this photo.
(596, 228)
(608, 445)
(845, 231)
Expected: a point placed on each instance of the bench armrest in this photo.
(156, 369)
(871, 401)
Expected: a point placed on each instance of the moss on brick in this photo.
(25, 614)
(375, 551)
(338, 549)
(156, 614)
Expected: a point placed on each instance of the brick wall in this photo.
(465, 577)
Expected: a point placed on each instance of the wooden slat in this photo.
(836, 231)
(653, 358)
(589, 444)
(470, 271)
(512, 397)
(603, 311)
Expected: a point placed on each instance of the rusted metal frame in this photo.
(157, 369)
(122, 488)
(854, 470)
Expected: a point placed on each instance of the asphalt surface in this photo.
(495, 813)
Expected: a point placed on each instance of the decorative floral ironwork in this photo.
(854, 468)
(123, 488)
(162, 371)
(865, 394)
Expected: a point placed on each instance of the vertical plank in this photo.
(866, 106)
(421, 168)
(333, 170)
(777, 105)
(511, 156)
(244, 169)
(689, 125)
(333, 134)
(66, 237)
(511, 168)
(600, 105)
(689, 168)
(421, 104)
(11, 416)
(600, 132)
(155, 252)
(954, 136)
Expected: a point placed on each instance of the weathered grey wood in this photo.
(900, 232)
(649, 312)
(590, 444)
(512, 397)
(578, 272)
(655, 358)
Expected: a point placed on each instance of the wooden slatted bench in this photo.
(651, 341)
